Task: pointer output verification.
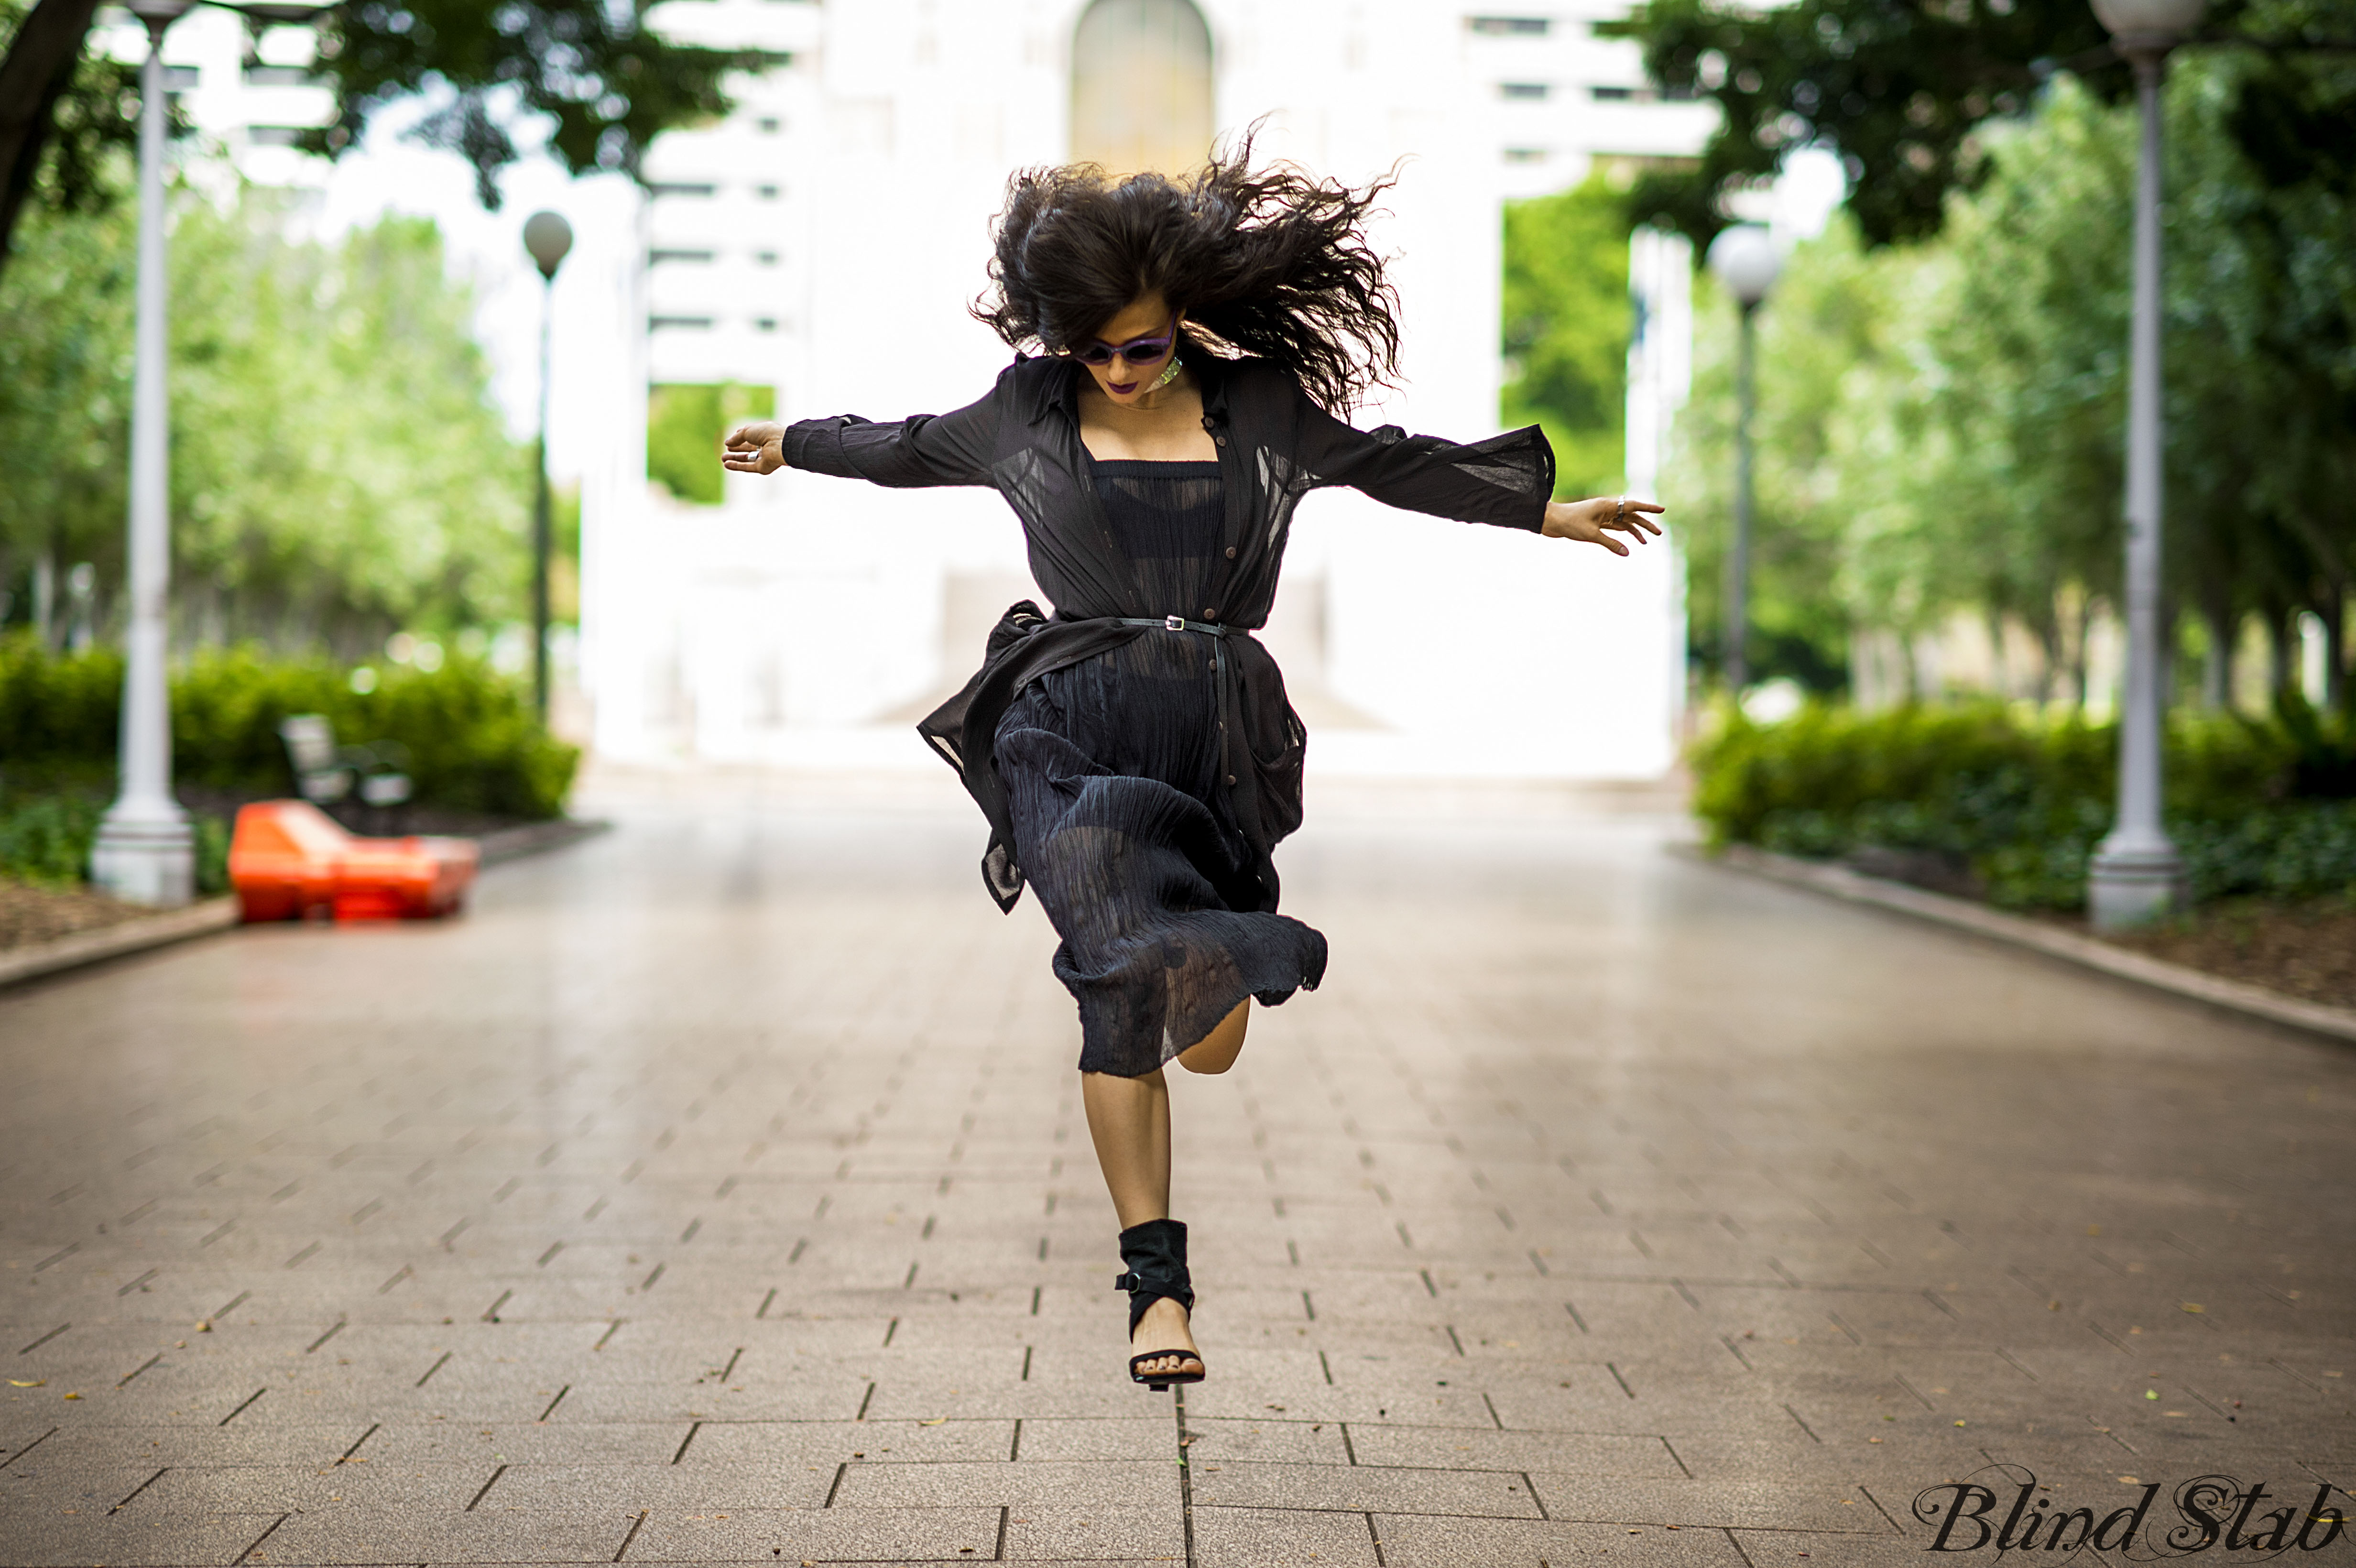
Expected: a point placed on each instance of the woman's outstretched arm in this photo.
(1506, 480)
(954, 448)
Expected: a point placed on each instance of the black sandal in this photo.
(1155, 1253)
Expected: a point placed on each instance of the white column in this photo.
(144, 852)
(1660, 374)
(2135, 872)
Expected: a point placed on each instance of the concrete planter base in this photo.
(133, 936)
(2232, 996)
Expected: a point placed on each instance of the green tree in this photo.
(1906, 90)
(2262, 309)
(2027, 405)
(603, 82)
(2006, 412)
(1898, 87)
(1942, 422)
(1567, 325)
(64, 113)
(64, 335)
(593, 75)
(338, 469)
(1934, 104)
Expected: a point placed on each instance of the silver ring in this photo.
(1620, 514)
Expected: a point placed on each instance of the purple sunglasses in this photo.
(1137, 350)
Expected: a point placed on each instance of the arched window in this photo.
(1141, 85)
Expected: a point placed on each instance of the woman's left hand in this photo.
(1594, 520)
(758, 447)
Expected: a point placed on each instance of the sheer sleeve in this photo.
(1506, 480)
(921, 450)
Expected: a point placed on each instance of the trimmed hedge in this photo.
(474, 743)
(2021, 802)
(45, 839)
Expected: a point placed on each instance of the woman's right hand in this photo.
(1592, 520)
(757, 447)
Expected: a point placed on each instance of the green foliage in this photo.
(1833, 321)
(56, 708)
(599, 82)
(473, 742)
(1984, 441)
(2023, 801)
(2295, 849)
(1909, 93)
(603, 83)
(1941, 425)
(337, 467)
(212, 834)
(1899, 88)
(45, 839)
(2290, 114)
(1962, 453)
(685, 424)
(1567, 325)
(82, 163)
(2262, 325)
(66, 306)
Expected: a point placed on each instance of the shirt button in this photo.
(1231, 780)
(1231, 552)
(1218, 441)
(1211, 613)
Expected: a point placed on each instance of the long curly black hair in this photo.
(1273, 262)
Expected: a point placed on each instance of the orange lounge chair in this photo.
(288, 857)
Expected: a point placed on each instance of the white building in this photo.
(825, 239)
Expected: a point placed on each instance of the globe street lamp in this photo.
(2136, 874)
(548, 237)
(1744, 261)
(144, 853)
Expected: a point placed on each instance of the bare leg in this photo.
(1129, 1120)
(1216, 1052)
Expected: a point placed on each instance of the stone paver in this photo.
(717, 1192)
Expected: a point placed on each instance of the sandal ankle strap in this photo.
(1155, 1253)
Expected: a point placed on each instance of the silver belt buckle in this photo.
(1173, 622)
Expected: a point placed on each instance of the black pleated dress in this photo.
(1112, 769)
(1133, 753)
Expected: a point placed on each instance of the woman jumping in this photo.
(1134, 752)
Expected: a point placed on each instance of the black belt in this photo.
(1174, 624)
(1229, 695)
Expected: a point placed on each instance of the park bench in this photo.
(326, 773)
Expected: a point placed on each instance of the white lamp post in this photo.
(1743, 259)
(143, 852)
(2136, 874)
(548, 237)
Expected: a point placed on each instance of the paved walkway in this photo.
(717, 1192)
